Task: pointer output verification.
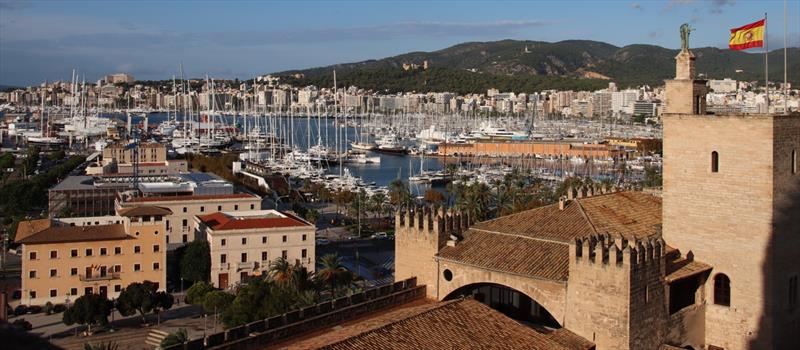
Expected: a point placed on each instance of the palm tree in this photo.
(378, 203)
(302, 279)
(280, 270)
(399, 193)
(332, 271)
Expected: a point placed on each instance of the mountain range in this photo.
(575, 64)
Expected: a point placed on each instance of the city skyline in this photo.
(46, 40)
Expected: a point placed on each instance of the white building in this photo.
(244, 243)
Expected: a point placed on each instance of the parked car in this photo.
(20, 310)
(322, 241)
(380, 235)
(34, 309)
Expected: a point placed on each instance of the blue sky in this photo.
(46, 39)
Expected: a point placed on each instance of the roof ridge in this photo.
(585, 216)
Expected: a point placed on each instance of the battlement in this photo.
(610, 250)
(594, 189)
(433, 222)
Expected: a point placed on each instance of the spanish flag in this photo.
(747, 36)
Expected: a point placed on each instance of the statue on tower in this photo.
(685, 30)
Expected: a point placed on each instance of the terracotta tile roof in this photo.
(457, 324)
(62, 234)
(570, 340)
(531, 257)
(29, 227)
(682, 267)
(220, 222)
(144, 210)
(630, 214)
(546, 222)
(191, 198)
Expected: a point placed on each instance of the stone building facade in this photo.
(710, 264)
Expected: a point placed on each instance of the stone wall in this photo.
(615, 296)
(726, 218)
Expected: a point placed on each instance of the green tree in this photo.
(89, 310)
(377, 203)
(399, 194)
(196, 262)
(217, 301)
(312, 216)
(197, 292)
(433, 197)
(143, 298)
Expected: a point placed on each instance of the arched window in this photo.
(722, 290)
(794, 161)
(714, 162)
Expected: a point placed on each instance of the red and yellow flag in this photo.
(747, 36)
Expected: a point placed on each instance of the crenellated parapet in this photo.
(615, 250)
(430, 223)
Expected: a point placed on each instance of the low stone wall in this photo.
(261, 333)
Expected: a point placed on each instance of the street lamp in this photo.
(113, 310)
(179, 299)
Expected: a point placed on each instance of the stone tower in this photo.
(616, 293)
(732, 199)
(419, 235)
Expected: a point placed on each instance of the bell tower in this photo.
(685, 93)
(731, 198)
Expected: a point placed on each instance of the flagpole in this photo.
(766, 61)
(785, 44)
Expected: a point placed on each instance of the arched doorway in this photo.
(509, 301)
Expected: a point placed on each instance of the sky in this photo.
(46, 40)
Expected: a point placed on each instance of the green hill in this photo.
(571, 64)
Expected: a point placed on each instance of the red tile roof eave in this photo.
(221, 222)
(78, 240)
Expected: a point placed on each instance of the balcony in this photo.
(250, 265)
(100, 277)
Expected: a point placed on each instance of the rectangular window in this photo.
(264, 256)
(285, 238)
(202, 209)
(137, 249)
(103, 251)
(244, 257)
(117, 250)
(117, 288)
(53, 254)
(219, 208)
(88, 252)
(222, 242)
(53, 293)
(185, 238)
(285, 254)
(32, 255)
(73, 291)
(73, 253)
(304, 253)
(87, 290)
(156, 266)
(146, 218)
(244, 241)
(53, 272)
(223, 258)
(33, 294)
(252, 206)
(73, 271)
(264, 240)
(235, 207)
(156, 248)
(137, 267)
(185, 223)
(305, 237)
(184, 209)
(117, 268)
(167, 239)
(32, 274)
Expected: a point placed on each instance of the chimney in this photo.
(562, 203)
(569, 193)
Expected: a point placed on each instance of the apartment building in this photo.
(66, 258)
(243, 244)
(180, 223)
